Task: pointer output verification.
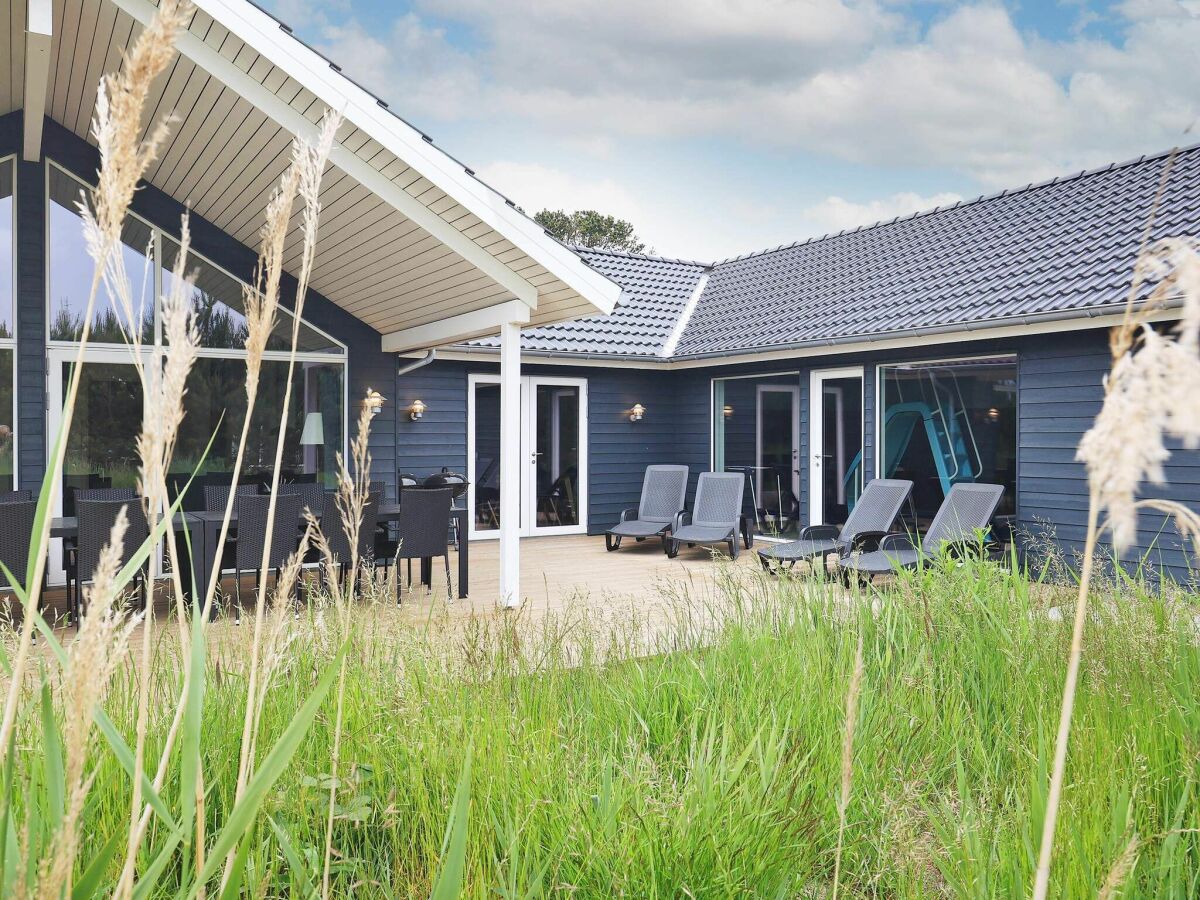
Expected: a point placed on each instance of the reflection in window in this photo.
(70, 271)
(946, 422)
(216, 404)
(7, 433)
(220, 310)
(756, 428)
(7, 213)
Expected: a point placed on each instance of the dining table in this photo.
(203, 530)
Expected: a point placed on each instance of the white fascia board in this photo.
(369, 177)
(309, 69)
(39, 27)
(900, 342)
(463, 327)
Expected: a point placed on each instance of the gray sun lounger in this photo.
(715, 516)
(871, 519)
(664, 490)
(967, 510)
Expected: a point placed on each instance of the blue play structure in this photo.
(947, 424)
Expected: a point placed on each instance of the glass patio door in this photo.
(101, 449)
(835, 432)
(553, 453)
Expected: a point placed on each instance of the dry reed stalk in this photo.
(1149, 395)
(124, 158)
(852, 695)
(163, 411)
(1120, 870)
(304, 178)
(98, 649)
(352, 496)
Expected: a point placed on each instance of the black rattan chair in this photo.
(339, 541)
(217, 495)
(421, 531)
(312, 496)
(16, 530)
(252, 512)
(15, 496)
(96, 517)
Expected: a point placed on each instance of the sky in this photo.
(721, 127)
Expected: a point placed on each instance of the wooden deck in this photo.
(556, 573)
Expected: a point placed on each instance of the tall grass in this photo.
(712, 770)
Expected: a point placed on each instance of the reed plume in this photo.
(92, 658)
(1149, 397)
(124, 158)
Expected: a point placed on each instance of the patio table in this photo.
(67, 527)
(388, 512)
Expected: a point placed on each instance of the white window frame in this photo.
(816, 427)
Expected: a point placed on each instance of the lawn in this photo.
(599, 769)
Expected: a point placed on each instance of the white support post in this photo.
(510, 464)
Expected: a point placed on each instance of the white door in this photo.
(777, 452)
(553, 453)
(835, 433)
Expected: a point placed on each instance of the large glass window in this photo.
(221, 311)
(71, 270)
(107, 419)
(7, 331)
(217, 403)
(7, 238)
(945, 422)
(756, 431)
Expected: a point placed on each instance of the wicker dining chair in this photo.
(96, 517)
(252, 512)
(421, 531)
(339, 540)
(16, 531)
(15, 496)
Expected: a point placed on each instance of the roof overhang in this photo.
(410, 241)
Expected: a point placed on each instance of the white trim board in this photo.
(932, 340)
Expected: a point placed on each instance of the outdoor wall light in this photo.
(993, 414)
(728, 411)
(636, 412)
(373, 402)
(415, 410)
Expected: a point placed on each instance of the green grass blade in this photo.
(189, 747)
(238, 870)
(241, 818)
(43, 505)
(87, 885)
(52, 757)
(148, 880)
(8, 833)
(124, 756)
(454, 846)
(295, 864)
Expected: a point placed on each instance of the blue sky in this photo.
(720, 127)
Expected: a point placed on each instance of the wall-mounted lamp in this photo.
(636, 412)
(415, 410)
(728, 411)
(373, 402)
(993, 414)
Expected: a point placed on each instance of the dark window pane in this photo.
(947, 422)
(70, 272)
(7, 223)
(7, 481)
(220, 310)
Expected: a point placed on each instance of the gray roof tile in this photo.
(654, 293)
(1059, 247)
(1062, 246)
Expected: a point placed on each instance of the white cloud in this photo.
(835, 213)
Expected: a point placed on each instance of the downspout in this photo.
(425, 360)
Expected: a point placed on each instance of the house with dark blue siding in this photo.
(966, 343)
(963, 343)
